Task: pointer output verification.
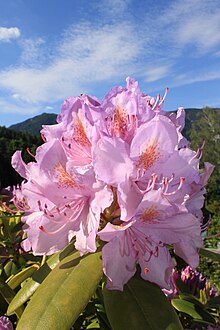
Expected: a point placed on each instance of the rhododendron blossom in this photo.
(119, 171)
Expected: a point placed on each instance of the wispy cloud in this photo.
(113, 8)
(32, 51)
(193, 22)
(191, 77)
(6, 34)
(149, 47)
(86, 54)
(156, 73)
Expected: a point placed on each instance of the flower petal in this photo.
(159, 268)
(111, 162)
(117, 267)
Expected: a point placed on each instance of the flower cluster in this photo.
(195, 282)
(120, 171)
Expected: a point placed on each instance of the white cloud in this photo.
(193, 22)
(156, 73)
(86, 55)
(149, 47)
(32, 51)
(6, 34)
(113, 8)
(193, 77)
(49, 108)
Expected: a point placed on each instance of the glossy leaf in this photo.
(64, 293)
(210, 253)
(142, 305)
(38, 277)
(193, 310)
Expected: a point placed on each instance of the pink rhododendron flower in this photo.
(58, 201)
(121, 171)
(157, 222)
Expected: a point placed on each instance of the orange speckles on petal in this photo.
(120, 121)
(65, 180)
(79, 134)
(150, 214)
(150, 156)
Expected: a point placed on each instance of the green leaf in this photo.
(214, 302)
(17, 227)
(191, 298)
(200, 324)
(6, 291)
(10, 268)
(142, 305)
(8, 294)
(64, 293)
(38, 277)
(20, 277)
(93, 325)
(202, 297)
(210, 253)
(195, 311)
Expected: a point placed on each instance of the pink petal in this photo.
(117, 267)
(129, 197)
(111, 162)
(154, 143)
(159, 269)
(19, 165)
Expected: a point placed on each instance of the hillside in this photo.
(34, 125)
(10, 141)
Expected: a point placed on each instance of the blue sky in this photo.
(53, 49)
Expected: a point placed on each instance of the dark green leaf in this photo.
(10, 268)
(8, 294)
(210, 253)
(214, 302)
(17, 227)
(142, 305)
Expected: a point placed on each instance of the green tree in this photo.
(207, 126)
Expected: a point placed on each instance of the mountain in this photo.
(34, 125)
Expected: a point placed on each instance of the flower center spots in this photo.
(150, 214)
(149, 156)
(120, 121)
(79, 135)
(64, 179)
